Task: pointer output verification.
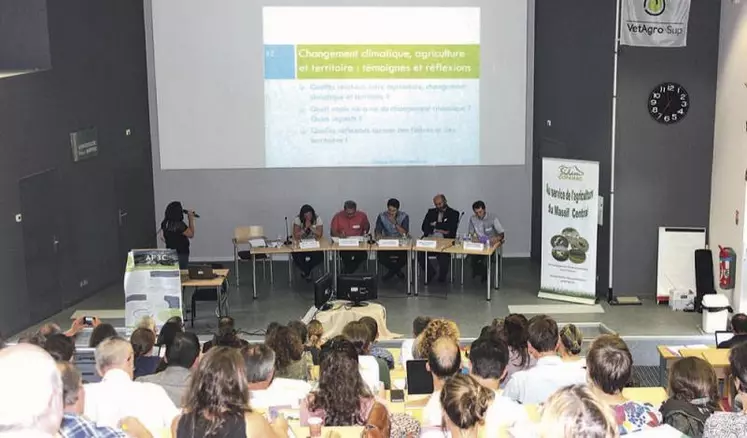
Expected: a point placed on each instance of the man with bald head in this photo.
(31, 405)
(117, 396)
(444, 361)
(441, 221)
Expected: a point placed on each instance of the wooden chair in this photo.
(245, 233)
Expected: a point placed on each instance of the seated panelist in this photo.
(441, 221)
(486, 228)
(350, 222)
(392, 223)
(307, 225)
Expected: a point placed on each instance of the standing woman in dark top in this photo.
(176, 233)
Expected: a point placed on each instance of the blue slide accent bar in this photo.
(280, 61)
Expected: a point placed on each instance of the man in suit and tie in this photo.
(441, 221)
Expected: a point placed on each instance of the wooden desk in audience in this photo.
(667, 358)
(656, 395)
(217, 283)
(719, 360)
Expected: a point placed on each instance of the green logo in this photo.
(654, 7)
(570, 172)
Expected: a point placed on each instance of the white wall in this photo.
(730, 143)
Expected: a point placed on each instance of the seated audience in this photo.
(739, 328)
(266, 390)
(290, 360)
(100, 333)
(117, 396)
(610, 365)
(436, 329)
(31, 405)
(314, 341)
(465, 405)
(271, 328)
(74, 424)
(569, 349)
(534, 385)
(181, 358)
(373, 369)
(227, 336)
(147, 322)
(408, 345)
(732, 424)
(488, 359)
(342, 397)
(376, 350)
(172, 326)
(515, 331)
(693, 396)
(143, 341)
(60, 347)
(444, 361)
(575, 411)
(217, 402)
(300, 328)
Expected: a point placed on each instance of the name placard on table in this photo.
(309, 244)
(349, 242)
(428, 244)
(257, 243)
(388, 243)
(473, 246)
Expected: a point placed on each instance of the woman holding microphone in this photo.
(176, 233)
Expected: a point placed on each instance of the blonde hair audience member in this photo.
(314, 340)
(576, 412)
(464, 404)
(571, 339)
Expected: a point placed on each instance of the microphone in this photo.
(187, 212)
(287, 233)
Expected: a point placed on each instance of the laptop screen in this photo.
(723, 335)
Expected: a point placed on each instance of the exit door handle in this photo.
(122, 215)
(55, 243)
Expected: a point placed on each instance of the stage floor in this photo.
(464, 304)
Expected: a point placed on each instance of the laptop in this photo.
(419, 379)
(201, 272)
(723, 335)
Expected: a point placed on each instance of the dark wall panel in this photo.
(98, 78)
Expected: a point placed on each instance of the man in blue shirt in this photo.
(486, 228)
(392, 224)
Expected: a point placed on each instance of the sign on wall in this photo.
(85, 144)
(654, 23)
(570, 202)
(152, 286)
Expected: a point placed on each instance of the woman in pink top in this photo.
(340, 383)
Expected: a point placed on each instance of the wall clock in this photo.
(668, 103)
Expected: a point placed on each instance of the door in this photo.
(135, 216)
(43, 220)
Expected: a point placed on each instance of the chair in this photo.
(242, 235)
(204, 294)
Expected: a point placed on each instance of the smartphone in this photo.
(88, 320)
(397, 395)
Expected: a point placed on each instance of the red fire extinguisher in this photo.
(727, 264)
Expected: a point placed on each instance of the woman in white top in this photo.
(307, 225)
(464, 403)
(571, 339)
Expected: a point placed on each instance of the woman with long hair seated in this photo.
(291, 362)
(342, 398)
(217, 402)
(516, 333)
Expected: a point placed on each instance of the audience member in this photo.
(732, 424)
(436, 329)
(143, 340)
(515, 329)
(569, 349)
(610, 365)
(147, 322)
(217, 402)
(739, 328)
(31, 405)
(534, 385)
(575, 411)
(181, 357)
(74, 424)
(100, 333)
(226, 336)
(271, 328)
(693, 391)
(60, 347)
(314, 342)
(373, 369)
(117, 396)
(374, 349)
(465, 405)
(300, 328)
(406, 352)
(266, 390)
(290, 360)
(342, 397)
(170, 328)
(444, 361)
(488, 359)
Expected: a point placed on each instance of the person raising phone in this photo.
(176, 233)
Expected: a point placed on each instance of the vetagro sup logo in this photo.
(570, 173)
(654, 7)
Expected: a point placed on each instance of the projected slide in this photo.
(355, 86)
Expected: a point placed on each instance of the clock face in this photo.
(669, 103)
